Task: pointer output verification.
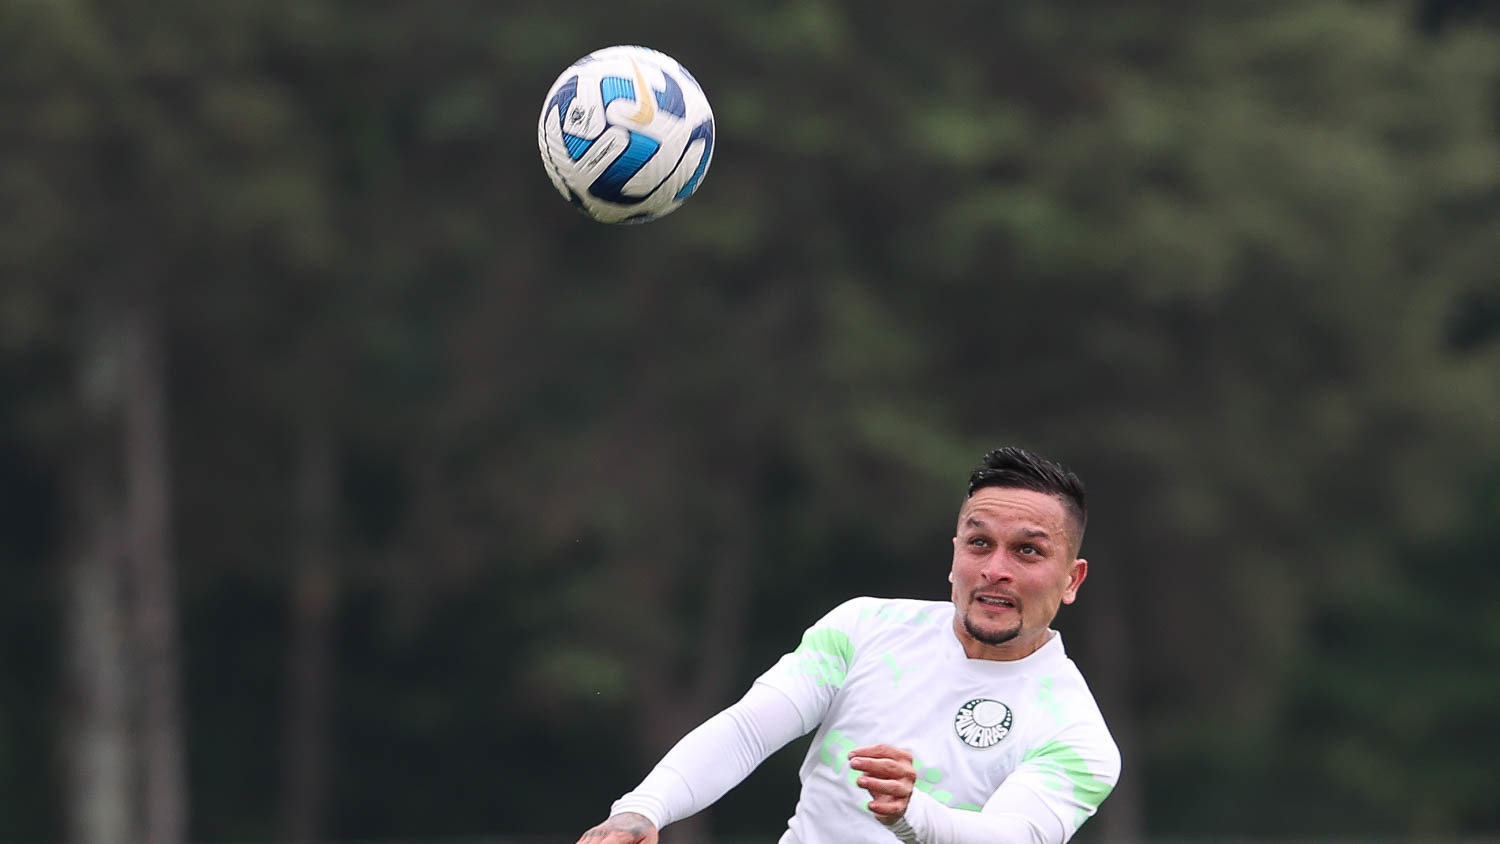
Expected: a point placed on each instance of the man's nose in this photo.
(996, 569)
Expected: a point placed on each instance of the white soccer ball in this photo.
(626, 134)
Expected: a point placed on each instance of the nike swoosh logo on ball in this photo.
(643, 96)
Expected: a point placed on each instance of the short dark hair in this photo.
(1016, 468)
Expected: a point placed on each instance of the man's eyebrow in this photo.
(1027, 533)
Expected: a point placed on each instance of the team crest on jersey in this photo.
(982, 722)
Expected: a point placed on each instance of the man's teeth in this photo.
(999, 602)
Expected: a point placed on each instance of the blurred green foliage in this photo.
(1234, 262)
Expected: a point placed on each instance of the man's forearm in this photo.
(929, 822)
(714, 757)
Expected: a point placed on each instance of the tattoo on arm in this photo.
(604, 830)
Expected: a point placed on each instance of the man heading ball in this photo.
(937, 722)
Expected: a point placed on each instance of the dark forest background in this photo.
(353, 486)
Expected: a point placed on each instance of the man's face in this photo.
(1013, 564)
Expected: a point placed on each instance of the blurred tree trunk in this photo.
(305, 740)
(96, 735)
(96, 725)
(147, 536)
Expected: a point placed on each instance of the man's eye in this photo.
(1028, 548)
(979, 542)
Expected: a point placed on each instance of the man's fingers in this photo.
(891, 796)
(889, 776)
(891, 800)
(887, 809)
(884, 761)
(625, 828)
(608, 836)
(615, 836)
(888, 768)
(882, 751)
(605, 836)
(878, 787)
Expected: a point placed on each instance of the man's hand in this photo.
(889, 777)
(624, 828)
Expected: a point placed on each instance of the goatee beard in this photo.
(990, 637)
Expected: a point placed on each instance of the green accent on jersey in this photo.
(1046, 698)
(928, 779)
(834, 752)
(897, 615)
(1068, 769)
(826, 655)
(896, 672)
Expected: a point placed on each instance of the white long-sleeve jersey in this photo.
(1005, 751)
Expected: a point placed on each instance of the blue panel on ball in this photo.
(577, 146)
(616, 87)
(563, 98)
(671, 100)
(704, 130)
(610, 183)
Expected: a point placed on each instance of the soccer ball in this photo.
(626, 134)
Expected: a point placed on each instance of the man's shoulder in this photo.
(1071, 734)
(1063, 699)
(866, 619)
(873, 612)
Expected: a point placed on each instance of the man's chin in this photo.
(991, 635)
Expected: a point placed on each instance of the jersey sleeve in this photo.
(929, 822)
(1058, 786)
(787, 701)
(713, 758)
(814, 672)
(1060, 783)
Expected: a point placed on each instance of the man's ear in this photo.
(1076, 575)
